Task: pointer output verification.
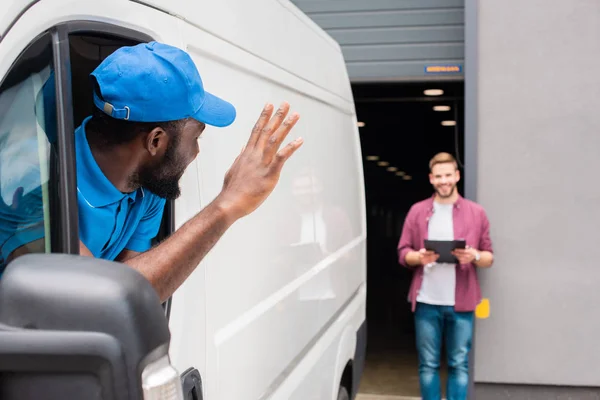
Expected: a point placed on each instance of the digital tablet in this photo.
(444, 248)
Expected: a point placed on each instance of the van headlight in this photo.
(161, 381)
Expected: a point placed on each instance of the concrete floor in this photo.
(384, 397)
(391, 373)
(392, 368)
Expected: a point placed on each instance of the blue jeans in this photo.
(432, 323)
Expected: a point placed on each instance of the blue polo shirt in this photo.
(109, 220)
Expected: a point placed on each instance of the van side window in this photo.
(27, 153)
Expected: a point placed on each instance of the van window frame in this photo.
(64, 230)
(102, 28)
(68, 230)
(69, 212)
(55, 243)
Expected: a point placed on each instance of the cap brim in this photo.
(215, 112)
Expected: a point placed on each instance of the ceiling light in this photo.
(441, 108)
(392, 169)
(383, 163)
(360, 124)
(400, 173)
(407, 177)
(433, 92)
(448, 123)
(372, 158)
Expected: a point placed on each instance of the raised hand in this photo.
(255, 172)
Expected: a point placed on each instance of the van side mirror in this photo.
(74, 327)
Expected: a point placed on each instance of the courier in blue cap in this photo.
(150, 109)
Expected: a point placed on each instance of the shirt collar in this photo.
(93, 185)
(457, 204)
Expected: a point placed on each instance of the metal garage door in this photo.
(385, 40)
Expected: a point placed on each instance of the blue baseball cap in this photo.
(155, 82)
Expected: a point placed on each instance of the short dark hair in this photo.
(107, 132)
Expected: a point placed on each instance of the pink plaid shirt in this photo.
(470, 223)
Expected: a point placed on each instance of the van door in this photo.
(90, 44)
(83, 42)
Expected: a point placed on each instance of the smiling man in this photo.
(444, 296)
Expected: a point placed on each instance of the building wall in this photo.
(537, 156)
(391, 40)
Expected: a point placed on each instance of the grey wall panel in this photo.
(428, 35)
(389, 19)
(397, 70)
(319, 6)
(393, 39)
(538, 147)
(404, 52)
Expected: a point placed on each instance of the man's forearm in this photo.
(486, 260)
(413, 258)
(167, 265)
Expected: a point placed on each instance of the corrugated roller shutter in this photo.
(394, 39)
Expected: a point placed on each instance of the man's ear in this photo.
(157, 141)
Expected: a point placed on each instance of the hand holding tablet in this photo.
(444, 249)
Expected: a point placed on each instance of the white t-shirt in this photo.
(439, 279)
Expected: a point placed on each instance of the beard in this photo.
(445, 196)
(162, 179)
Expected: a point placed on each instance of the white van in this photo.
(277, 308)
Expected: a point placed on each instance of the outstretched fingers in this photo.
(275, 140)
(284, 154)
(261, 123)
(267, 132)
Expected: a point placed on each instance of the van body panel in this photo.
(264, 314)
(11, 11)
(273, 30)
(282, 273)
(45, 14)
(187, 320)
